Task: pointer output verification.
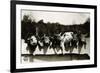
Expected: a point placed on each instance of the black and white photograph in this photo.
(48, 36)
(51, 36)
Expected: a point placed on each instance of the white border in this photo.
(19, 65)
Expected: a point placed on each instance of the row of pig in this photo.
(67, 41)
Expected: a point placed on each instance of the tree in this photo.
(27, 27)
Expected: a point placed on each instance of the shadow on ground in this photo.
(60, 57)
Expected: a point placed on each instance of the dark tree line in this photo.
(30, 27)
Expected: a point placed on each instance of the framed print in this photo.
(52, 36)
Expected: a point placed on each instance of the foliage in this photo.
(29, 27)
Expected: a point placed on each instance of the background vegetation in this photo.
(31, 27)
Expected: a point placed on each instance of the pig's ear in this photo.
(27, 40)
